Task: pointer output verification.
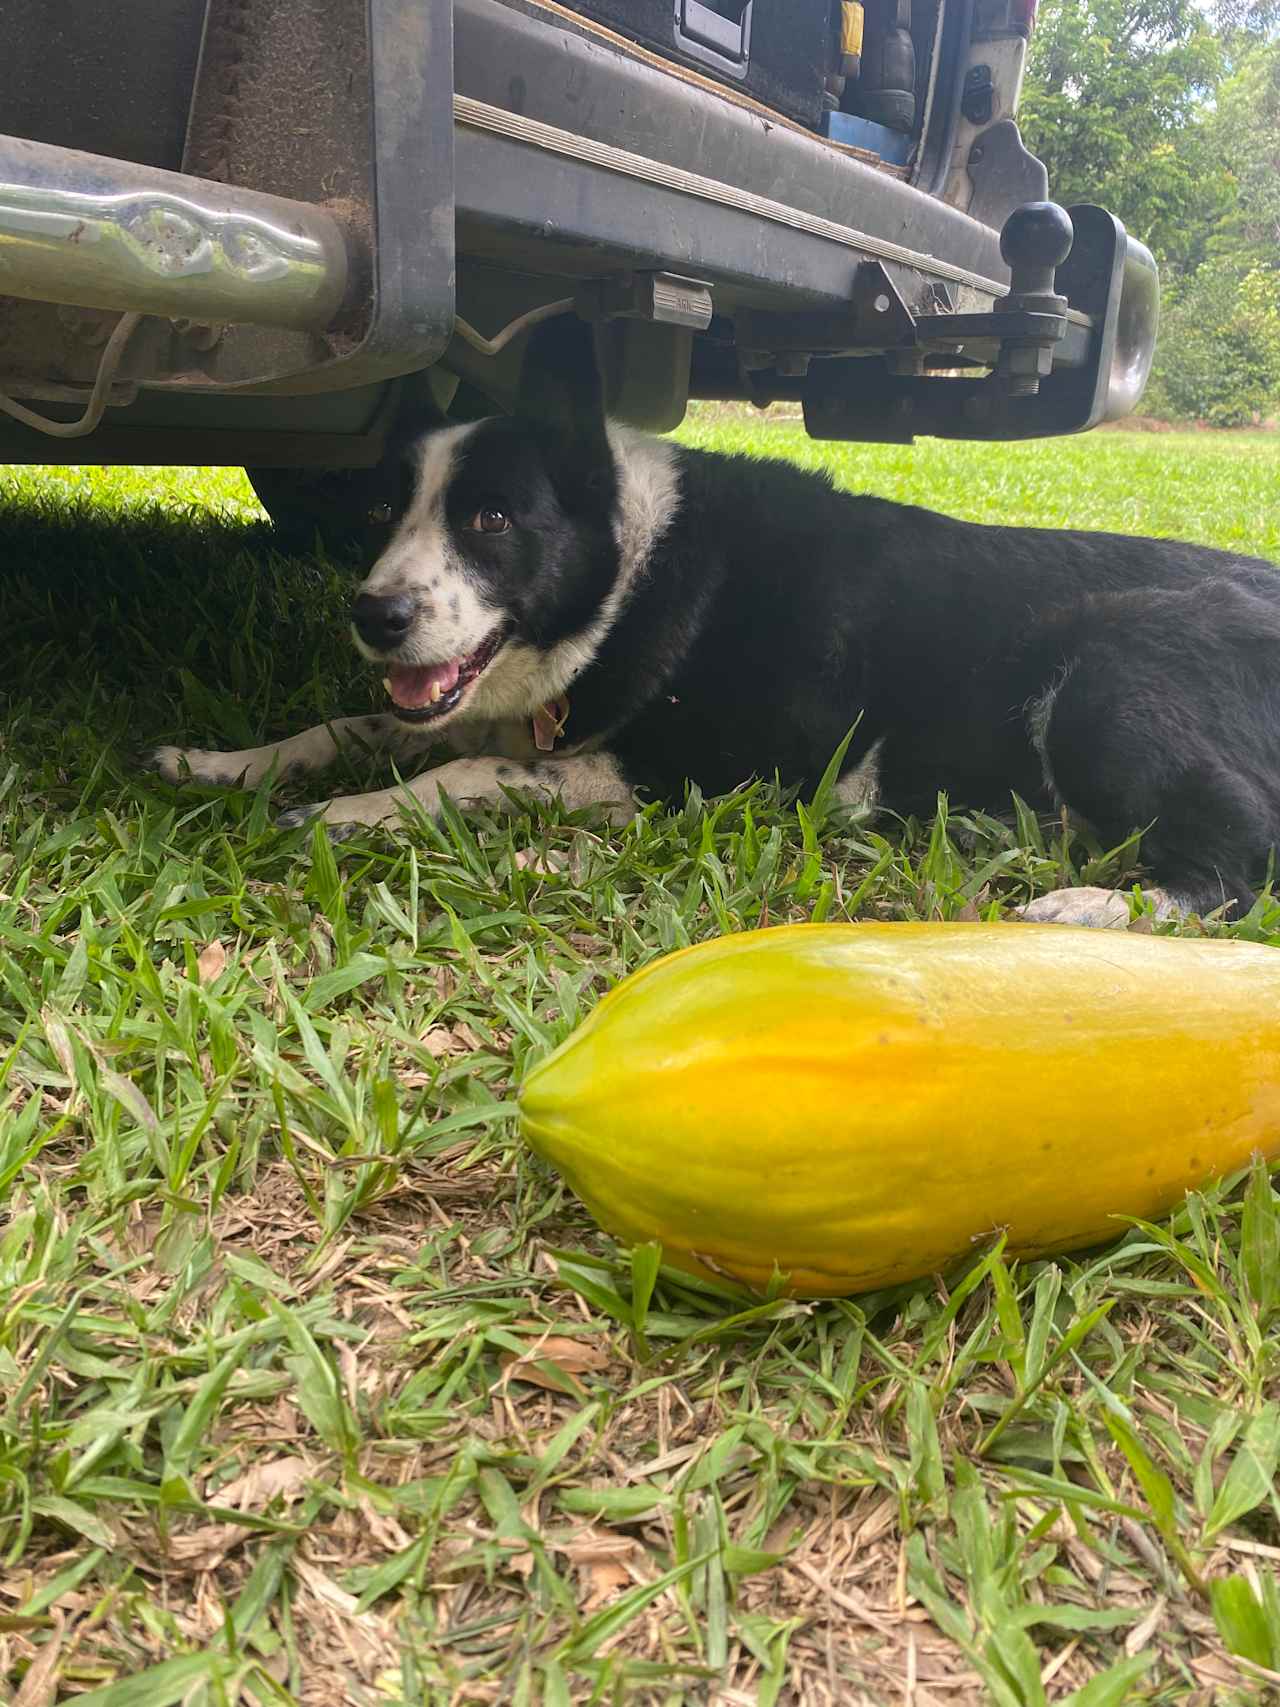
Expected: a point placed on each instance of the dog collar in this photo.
(548, 724)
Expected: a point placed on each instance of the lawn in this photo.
(316, 1388)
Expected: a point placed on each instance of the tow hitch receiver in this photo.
(1068, 347)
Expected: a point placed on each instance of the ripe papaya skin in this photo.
(857, 1105)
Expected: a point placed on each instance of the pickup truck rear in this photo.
(276, 232)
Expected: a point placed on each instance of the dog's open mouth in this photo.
(420, 692)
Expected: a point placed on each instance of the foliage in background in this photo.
(1114, 105)
(1246, 131)
(1234, 18)
(1221, 343)
(1171, 119)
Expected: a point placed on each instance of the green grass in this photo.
(1218, 488)
(315, 1388)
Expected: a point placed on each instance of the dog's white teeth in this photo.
(436, 691)
(386, 682)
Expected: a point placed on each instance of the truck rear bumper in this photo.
(578, 168)
(96, 233)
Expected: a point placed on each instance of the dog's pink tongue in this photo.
(414, 685)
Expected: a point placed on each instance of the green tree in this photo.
(1234, 19)
(1245, 132)
(1219, 353)
(1174, 125)
(1218, 359)
(1116, 102)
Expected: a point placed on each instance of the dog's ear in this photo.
(417, 416)
(561, 390)
(560, 380)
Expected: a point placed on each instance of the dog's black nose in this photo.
(383, 620)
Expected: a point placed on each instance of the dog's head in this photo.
(508, 548)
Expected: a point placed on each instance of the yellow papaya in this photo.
(857, 1105)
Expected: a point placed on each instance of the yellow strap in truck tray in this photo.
(851, 21)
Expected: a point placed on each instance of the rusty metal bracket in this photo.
(1023, 336)
(876, 319)
(375, 80)
(1094, 372)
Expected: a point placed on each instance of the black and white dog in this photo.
(579, 609)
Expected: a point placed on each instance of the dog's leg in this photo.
(589, 779)
(314, 750)
(1102, 909)
(1127, 750)
(859, 786)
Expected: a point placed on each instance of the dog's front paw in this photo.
(298, 815)
(1099, 909)
(194, 764)
(164, 762)
(348, 814)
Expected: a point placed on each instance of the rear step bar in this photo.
(99, 233)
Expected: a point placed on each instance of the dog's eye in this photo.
(490, 519)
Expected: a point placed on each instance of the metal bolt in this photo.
(1023, 366)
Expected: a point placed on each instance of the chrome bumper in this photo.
(100, 233)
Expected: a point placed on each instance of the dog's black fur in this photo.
(776, 611)
(1134, 681)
